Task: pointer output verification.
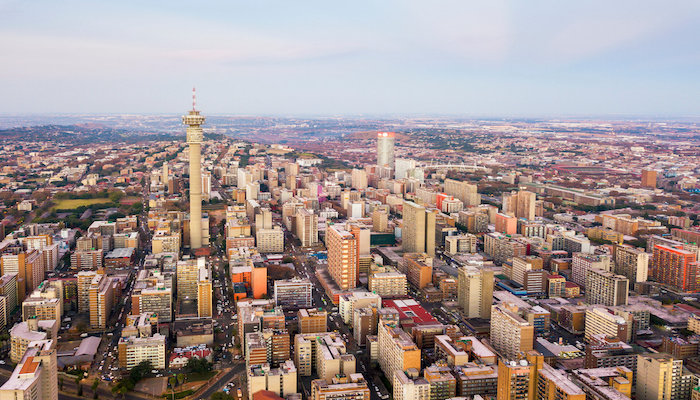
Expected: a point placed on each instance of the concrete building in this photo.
(520, 204)
(517, 379)
(352, 387)
(103, 293)
(510, 333)
(409, 386)
(306, 227)
(397, 352)
(602, 321)
(649, 178)
(606, 288)
(281, 381)
(133, 350)
(188, 278)
(553, 384)
(475, 291)
(324, 353)
(466, 243)
(342, 257)
(270, 240)
(272, 346)
(312, 320)
(418, 268)
(581, 263)
(293, 293)
(660, 377)
(418, 234)
(348, 303)
(387, 282)
(631, 262)
(675, 267)
(31, 330)
(36, 375)
(204, 294)
(464, 191)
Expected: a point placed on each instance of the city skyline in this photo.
(500, 59)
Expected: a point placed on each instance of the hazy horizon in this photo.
(464, 59)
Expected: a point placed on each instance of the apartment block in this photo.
(133, 350)
(510, 333)
(606, 288)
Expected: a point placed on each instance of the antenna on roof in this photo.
(194, 98)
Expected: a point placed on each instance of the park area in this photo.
(71, 204)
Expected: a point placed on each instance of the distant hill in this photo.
(81, 134)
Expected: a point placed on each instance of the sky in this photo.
(330, 58)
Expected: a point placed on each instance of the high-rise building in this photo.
(352, 387)
(102, 295)
(84, 281)
(553, 384)
(397, 351)
(649, 178)
(606, 288)
(324, 353)
(464, 191)
(660, 377)
(280, 381)
(312, 320)
(631, 262)
(24, 333)
(348, 303)
(133, 350)
(581, 263)
(194, 121)
(517, 379)
(475, 291)
(204, 294)
(188, 277)
(359, 179)
(510, 333)
(36, 375)
(409, 385)
(601, 321)
(342, 257)
(418, 235)
(306, 227)
(270, 240)
(675, 267)
(385, 150)
(520, 204)
(418, 268)
(380, 220)
(293, 293)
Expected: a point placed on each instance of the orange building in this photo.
(259, 281)
(506, 224)
(674, 267)
(418, 268)
(649, 178)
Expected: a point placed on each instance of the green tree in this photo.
(198, 365)
(95, 385)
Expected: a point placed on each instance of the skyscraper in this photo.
(418, 229)
(385, 149)
(475, 291)
(194, 122)
(342, 257)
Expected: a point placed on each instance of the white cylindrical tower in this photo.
(194, 122)
(385, 149)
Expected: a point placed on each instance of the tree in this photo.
(198, 365)
(180, 379)
(95, 385)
